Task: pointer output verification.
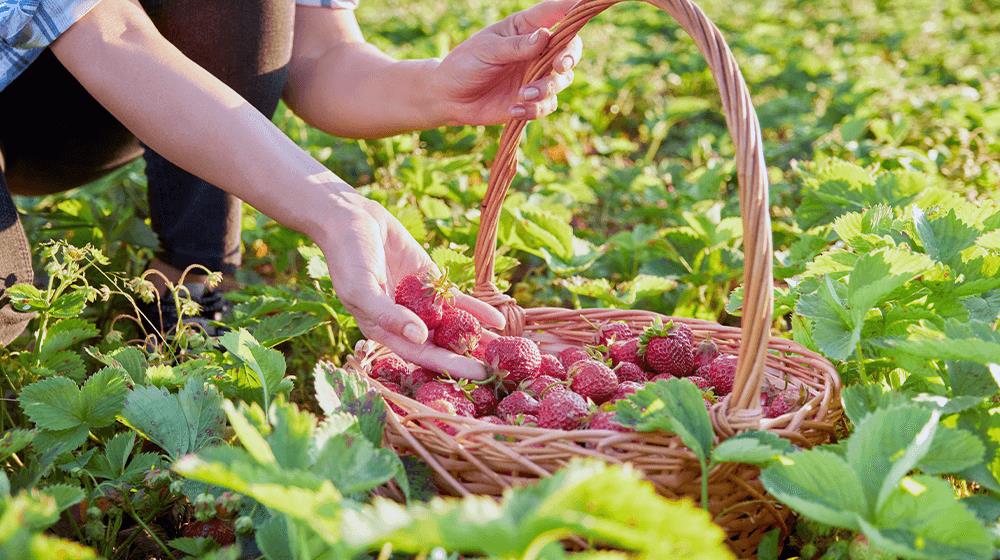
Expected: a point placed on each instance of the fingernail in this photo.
(517, 111)
(413, 334)
(567, 62)
(530, 93)
(534, 37)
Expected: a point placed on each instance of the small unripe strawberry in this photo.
(551, 366)
(624, 390)
(542, 385)
(445, 391)
(564, 410)
(423, 296)
(668, 348)
(517, 403)
(514, 357)
(705, 353)
(626, 351)
(389, 368)
(627, 371)
(459, 331)
(610, 332)
(721, 374)
(572, 355)
(592, 380)
(483, 400)
(605, 420)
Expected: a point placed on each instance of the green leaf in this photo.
(339, 391)
(754, 448)
(66, 334)
(267, 365)
(129, 358)
(886, 445)
(64, 362)
(922, 519)
(291, 435)
(676, 406)
(252, 440)
(26, 298)
(969, 378)
(877, 274)
(275, 329)
(102, 397)
(70, 304)
(65, 495)
(861, 400)
(178, 423)
(943, 237)
(13, 441)
(52, 404)
(803, 481)
(354, 465)
(952, 450)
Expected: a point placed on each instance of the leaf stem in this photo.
(861, 364)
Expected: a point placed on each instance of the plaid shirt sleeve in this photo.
(27, 27)
(335, 4)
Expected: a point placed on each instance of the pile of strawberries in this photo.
(575, 389)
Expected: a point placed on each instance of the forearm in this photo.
(193, 119)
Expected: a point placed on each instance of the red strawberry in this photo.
(459, 331)
(517, 403)
(523, 420)
(399, 391)
(627, 350)
(701, 382)
(389, 368)
(443, 390)
(446, 407)
(661, 377)
(572, 355)
(627, 371)
(479, 353)
(418, 378)
(551, 366)
(705, 353)
(490, 419)
(781, 403)
(720, 374)
(605, 420)
(216, 529)
(592, 380)
(625, 389)
(564, 410)
(668, 348)
(423, 296)
(542, 385)
(483, 400)
(516, 358)
(610, 332)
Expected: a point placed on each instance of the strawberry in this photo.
(523, 420)
(781, 403)
(551, 366)
(484, 401)
(458, 331)
(720, 374)
(572, 355)
(479, 352)
(605, 420)
(592, 380)
(701, 382)
(515, 404)
(490, 419)
(668, 348)
(542, 385)
(417, 378)
(661, 377)
(446, 407)
(424, 296)
(216, 529)
(612, 331)
(445, 391)
(624, 390)
(627, 371)
(514, 357)
(395, 388)
(389, 368)
(627, 350)
(564, 410)
(705, 353)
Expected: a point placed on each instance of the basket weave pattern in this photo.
(484, 458)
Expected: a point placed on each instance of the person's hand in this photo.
(480, 81)
(368, 252)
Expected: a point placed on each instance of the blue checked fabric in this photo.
(27, 27)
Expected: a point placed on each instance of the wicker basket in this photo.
(477, 461)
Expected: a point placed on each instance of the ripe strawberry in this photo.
(523, 420)
(542, 385)
(551, 366)
(627, 350)
(216, 529)
(395, 389)
(446, 407)
(605, 420)
(781, 403)
(668, 348)
(517, 403)
(424, 296)
(479, 352)
(389, 369)
(572, 355)
(701, 382)
(705, 353)
(610, 332)
(661, 377)
(627, 371)
(459, 331)
(624, 390)
(720, 374)
(490, 419)
(484, 400)
(418, 378)
(444, 391)
(514, 357)
(564, 410)
(592, 380)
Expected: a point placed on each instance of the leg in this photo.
(15, 264)
(247, 44)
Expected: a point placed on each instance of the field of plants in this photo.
(880, 120)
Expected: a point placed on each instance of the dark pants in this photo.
(54, 136)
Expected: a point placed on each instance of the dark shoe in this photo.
(162, 318)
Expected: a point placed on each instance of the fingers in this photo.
(534, 110)
(538, 98)
(569, 57)
(434, 358)
(543, 14)
(486, 313)
(501, 49)
(546, 87)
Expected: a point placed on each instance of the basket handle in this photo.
(741, 120)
